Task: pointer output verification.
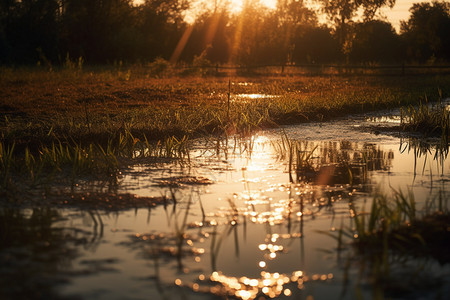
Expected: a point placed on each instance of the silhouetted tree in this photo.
(160, 25)
(104, 31)
(341, 13)
(427, 32)
(263, 36)
(375, 41)
(293, 17)
(248, 36)
(100, 31)
(316, 45)
(28, 30)
(96, 29)
(210, 36)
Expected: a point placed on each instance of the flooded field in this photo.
(265, 216)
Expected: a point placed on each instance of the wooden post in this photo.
(229, 96)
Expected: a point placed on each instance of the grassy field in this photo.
(38, 106)
(87, 121)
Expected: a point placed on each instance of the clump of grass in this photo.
(431, 120)
(38, 168)
(76, 159)
(160, 67)
(397, 225)
(297, 156)
(7, 162)
(394, 242)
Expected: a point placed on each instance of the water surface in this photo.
(234, 222)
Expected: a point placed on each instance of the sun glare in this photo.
(236, 5)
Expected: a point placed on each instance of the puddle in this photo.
(254, 97)
(235, 223)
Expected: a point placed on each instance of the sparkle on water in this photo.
(241, 221)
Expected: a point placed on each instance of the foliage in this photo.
(159, 67)
(341, 13)
(210, 35)
(426, 31)
(99, 31)
(107, 31)
(375, 41)
(315, 45)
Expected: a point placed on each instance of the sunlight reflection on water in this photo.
(252, 222)
(239, 222)
(251, 97)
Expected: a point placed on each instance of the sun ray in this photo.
(236, 41)
(237, 5)
(212, 29)
(181, 44)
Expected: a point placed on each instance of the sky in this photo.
(400, 11)
(394, 15)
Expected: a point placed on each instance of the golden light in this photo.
(237, 5)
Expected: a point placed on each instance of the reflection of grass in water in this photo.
(177, 244)
(36, 252)
(394, 238)
(296, 154)
(426, 149)
(330, 163)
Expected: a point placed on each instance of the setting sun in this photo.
(236, 5)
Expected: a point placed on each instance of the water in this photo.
(234, 222)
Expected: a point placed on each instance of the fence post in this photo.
(228, 102)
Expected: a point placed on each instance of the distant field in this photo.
(94, 104)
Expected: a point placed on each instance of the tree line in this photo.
(107, 31)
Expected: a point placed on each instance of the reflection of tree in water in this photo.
(38, 244)
(36, 252)
(32, 251)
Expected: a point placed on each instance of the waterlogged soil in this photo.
(234, 223)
